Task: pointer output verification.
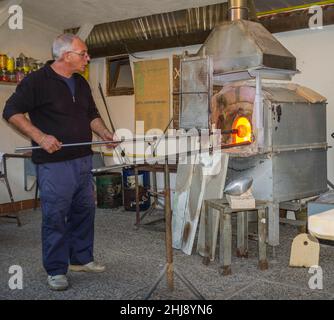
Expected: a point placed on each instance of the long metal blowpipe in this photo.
(79, 144)
(146, 138)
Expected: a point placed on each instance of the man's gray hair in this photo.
(62, 44)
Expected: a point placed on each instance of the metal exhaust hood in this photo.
(241, 49)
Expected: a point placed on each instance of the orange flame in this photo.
(244, 127)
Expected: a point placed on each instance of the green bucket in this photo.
(109, 191)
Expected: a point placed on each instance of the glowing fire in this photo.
(244, 127)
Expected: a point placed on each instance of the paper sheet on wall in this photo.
(152, 93)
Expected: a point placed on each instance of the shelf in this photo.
(8, 83)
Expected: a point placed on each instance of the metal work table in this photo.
(225, 242)
(3, 175)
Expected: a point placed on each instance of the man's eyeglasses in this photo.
(83, 54)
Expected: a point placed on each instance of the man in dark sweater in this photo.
(62, 110)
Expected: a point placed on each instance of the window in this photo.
(119, 77)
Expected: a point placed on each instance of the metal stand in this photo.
(225, 241)
(169, 267)
(4, 176)
(154, 193)
(138, 217)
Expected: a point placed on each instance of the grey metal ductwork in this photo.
(241, 45)
(164, 30)
(184, 27)
(238, 9)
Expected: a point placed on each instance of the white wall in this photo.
(33, 41)
(121, 108)
(314, 51)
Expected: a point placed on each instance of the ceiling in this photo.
(74, 13)
(64, 14)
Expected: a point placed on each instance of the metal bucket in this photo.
(109, 191)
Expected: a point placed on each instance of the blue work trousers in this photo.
(68, 212)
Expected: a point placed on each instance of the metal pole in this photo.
(168, 217)
(163, 135)
(78, 144)
(189, 285)
(156, 283)
(14, 210)
(137, 197)
(105, 104)
(238, 9)
(169, 268)
(262, 232)
(165, 158)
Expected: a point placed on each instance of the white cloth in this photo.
(321, 225)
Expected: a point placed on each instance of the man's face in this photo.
(78, 57)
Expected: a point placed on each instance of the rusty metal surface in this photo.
(265, 5)
(295, 20)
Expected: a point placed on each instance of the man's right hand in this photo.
(49, 143)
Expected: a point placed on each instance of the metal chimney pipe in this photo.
(238, 10)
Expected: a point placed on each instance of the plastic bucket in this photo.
(129, 188)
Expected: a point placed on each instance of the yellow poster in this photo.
(152, 93)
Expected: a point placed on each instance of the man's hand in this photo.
(99, 127)
(108, 136)
(49, 143)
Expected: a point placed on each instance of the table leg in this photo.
(206, 259)
(168, 217)
(137, 197)
(16, 212)
(225, 246)
(242, 234)
(262, 233)
(155, 189)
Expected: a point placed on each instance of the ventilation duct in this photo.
(238, 9)
(188, 27)
(240, 45)
(165, 30)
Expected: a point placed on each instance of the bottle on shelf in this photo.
(3, 68)
(3, 61)
(10, 69)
